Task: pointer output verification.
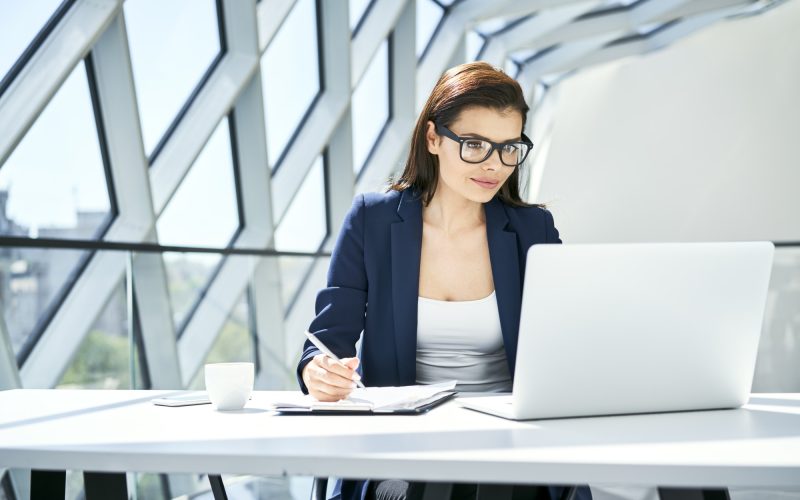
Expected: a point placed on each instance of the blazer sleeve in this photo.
(551, 233)
(341, 305)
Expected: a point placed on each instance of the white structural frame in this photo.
(234, 88)
(573, 32)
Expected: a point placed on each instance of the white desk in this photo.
(756, 446)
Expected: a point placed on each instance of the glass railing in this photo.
(777, 366)
(214, 292)
(211, 297)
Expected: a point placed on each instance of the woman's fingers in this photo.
(327, 392)
(344, 368)
(351, 363)
(322, 374)
(328, 380)
(333, 392)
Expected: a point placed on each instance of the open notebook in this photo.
(410, 399)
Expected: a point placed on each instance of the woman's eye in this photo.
(474, 144)
(509, 149)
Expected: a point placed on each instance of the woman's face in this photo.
(474, 181)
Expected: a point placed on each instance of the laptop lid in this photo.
(631, 328)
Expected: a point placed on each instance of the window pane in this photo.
(290, 67)
(777, 369)
(53, 185)
(203, 212)
(233, 344)
(357, 10)
(370, 106)
(187, 277)
(428, 16)
(302, 229)
(304, 225)
(103, 359)
(19, 24)
(475, 43)
(172, 45)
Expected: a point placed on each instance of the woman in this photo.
(432, 270)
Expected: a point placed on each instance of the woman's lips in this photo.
(485, 183)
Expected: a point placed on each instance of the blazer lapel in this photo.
(504, 259)
(406, 249)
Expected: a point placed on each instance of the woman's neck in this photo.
(452, 213)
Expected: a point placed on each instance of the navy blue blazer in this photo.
(373, 286)
(373, 282)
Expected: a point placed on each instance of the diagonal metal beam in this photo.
(213, 102)
(372, 34)
(524, 35)
(270, 15)
(658, 40)
(41, 78)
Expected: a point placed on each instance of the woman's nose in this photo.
(492, 162)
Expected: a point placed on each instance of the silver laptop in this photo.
(636, 328)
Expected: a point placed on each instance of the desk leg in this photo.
(105, 485)
(48, 484)
(217, 487)
(693, 494)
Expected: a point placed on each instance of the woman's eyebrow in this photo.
(479, 136)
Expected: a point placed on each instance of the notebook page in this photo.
(398, 397)
(372, 398)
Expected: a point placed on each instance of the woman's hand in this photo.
(328, 380)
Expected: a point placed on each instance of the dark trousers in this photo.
(397, 489)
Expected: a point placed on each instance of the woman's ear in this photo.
(432, 139)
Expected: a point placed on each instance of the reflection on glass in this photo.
(234, 342)
(370, 106)
(357, 10)
(777, 369)
(103, 360)
(302, 229)
(290, 76)
(475, 43)
(429, 13)
(203, 212)
(19, 24)
(172, 44)
(187, 277)
(148, 486)
(52, 186)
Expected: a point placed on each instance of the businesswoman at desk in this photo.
(432, 270)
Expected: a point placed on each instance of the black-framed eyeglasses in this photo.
(474, 150)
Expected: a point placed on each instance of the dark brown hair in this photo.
(460, 87)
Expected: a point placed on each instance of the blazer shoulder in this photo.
(528, 214)
(381, 206)
(375, 199)
(533, 222)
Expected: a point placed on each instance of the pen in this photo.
(322, 347)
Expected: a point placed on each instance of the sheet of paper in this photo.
(398, 397)
(371, 397)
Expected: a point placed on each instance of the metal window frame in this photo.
(363, 18)
(181, 326)
(47, 315)
(223, 48)
(232, 87)
(389, 105)
(321, 88)
(34, 44)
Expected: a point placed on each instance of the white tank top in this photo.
(462, 341)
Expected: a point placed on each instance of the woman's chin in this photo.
(482, 196)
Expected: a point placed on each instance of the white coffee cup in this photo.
(229, 384)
